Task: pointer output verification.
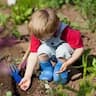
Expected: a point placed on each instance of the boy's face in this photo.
(46, 37)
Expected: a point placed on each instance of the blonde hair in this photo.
(43, 22)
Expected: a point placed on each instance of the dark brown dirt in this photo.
(15, 53)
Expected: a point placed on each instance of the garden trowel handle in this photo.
(15, 73)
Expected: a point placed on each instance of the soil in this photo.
(14, 52)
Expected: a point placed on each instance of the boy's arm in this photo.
(26, 80)
(26, 54)
(75, 56)
(31, 62)
(22, 64)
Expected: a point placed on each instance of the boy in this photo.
(50, 37)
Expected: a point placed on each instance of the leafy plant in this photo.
(56, 91)
(8, 93)
(84, 62)
(22, 10)
(3, 19)
(71, 2)
(50, 3)
(59, 91)
(87, 88)
(88, 11)
(92, 69)
(16, 33)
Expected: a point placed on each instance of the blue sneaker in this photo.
(46, 71)
(62, 77)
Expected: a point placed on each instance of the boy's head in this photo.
(43, 23)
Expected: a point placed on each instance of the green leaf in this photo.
(28, 12)
(94, 63)
(8, 93)
(16, 33)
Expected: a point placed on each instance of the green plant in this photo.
(56, 91)
(59, 91)
(3, 19)
(22, 10)
(71, 2)
(1, 4)
(92, 69)
(50, 3)
(8, 93)
(16, 33)
(89, 65)
(87, 88)
(88, 11)
(84, 62)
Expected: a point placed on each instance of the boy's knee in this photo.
(44, 49)
(43, 57)
(64, 51)
(61, 59)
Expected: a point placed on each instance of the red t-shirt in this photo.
(71, 36)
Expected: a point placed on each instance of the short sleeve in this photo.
(73, 37)
(34, 44)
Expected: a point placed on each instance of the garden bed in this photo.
(15, 52)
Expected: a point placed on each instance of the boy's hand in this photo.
(25, 83)
(62, 69)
